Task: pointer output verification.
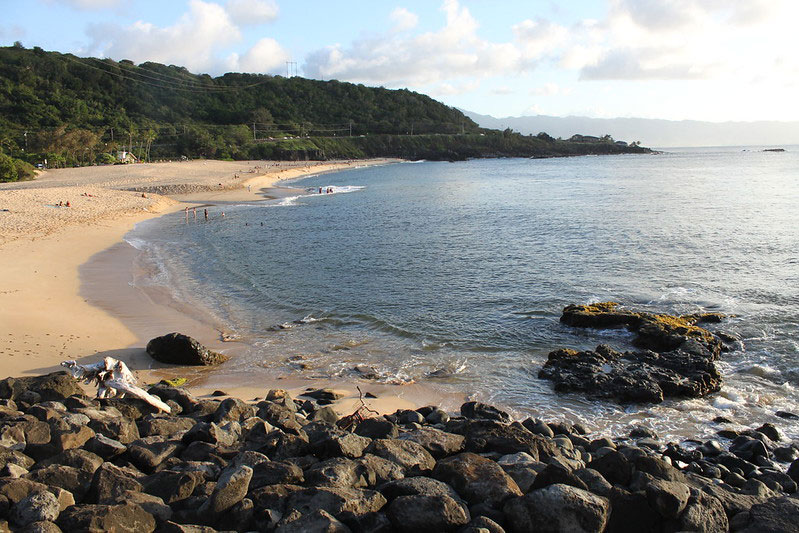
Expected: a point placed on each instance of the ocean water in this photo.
(454, 275)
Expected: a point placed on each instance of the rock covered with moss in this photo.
(677, 359)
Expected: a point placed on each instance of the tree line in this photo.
(73, 111)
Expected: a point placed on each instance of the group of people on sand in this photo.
(64, 204)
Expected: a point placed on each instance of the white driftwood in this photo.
(113, 379)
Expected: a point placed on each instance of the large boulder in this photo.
(425, 513)
(408, 454)
(179, 349)
(557, 508)
(57, 386)
(476, 479)
(778, 514)
(119, 518)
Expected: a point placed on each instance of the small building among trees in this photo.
(126, 157)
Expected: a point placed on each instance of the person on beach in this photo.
(194, 211)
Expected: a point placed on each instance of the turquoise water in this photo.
(454, 274)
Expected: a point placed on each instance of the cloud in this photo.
(88, 5)
(451, 89)
(502, 91)
(266, 56)
(680, 39)
(178, 44)
(403, 19)
(538, 38)
(551, 89)
(453, 51)
(252, 12)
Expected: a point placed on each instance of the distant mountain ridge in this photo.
(651, 132)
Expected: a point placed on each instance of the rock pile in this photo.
(677, 358)
(71, 463)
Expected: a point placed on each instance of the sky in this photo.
(714, 60)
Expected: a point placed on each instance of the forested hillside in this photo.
(77, 111)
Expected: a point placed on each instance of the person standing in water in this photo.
(206, 214)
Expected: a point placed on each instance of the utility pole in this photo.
(253, 131)
(26, 140)
(350, 128)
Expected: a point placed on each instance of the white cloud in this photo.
(538, 38)
(252, 12)
(452, 89)
(266, 56)
(502, 91)
(179, 43)
(403, 19)
(681, 39)
(551, 89)
(453, 51)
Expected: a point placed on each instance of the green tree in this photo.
(8, 171)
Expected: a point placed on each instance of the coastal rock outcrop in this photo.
(655, 332)
(217, 465)
(179, 349)
(677, 357)
(644, 376)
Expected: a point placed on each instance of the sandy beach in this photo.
(65, 271)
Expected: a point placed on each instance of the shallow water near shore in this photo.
(454, 275)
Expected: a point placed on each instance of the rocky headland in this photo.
(72, 463)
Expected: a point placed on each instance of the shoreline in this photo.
(67, 292)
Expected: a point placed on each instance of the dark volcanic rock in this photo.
(703, 513)
(476, 479)
(179, 349)
(557, 508)
(677, 360)
(438, 443)
(492, 436)
(230, 489)
(779, 514)
(57, 386)
(343, 503)
(377, 428)
(318, 520)
(632, 376)
(110, 482)
(424, 513)
(656, 332)
(408, 454)
(119, 518)
(481, 410)
(38, 506)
